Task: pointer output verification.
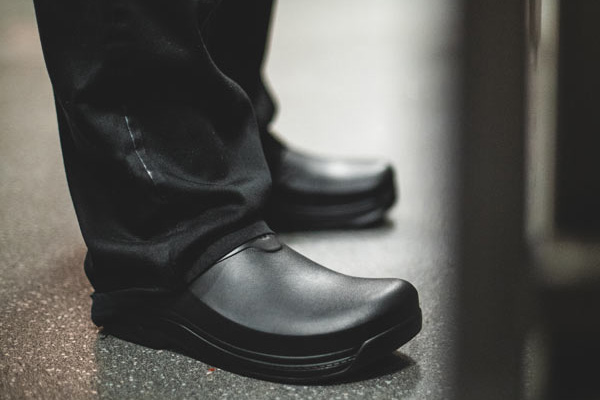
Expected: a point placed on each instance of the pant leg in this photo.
(161, 148)
(237, 38)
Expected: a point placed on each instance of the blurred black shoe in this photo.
(323, 193)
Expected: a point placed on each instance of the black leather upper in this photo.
(268, 298)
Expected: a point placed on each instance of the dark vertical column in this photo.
(491, 246)
(571, 259)
(578, 134)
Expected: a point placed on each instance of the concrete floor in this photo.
(354, 79)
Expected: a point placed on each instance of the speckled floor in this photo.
(354, 78)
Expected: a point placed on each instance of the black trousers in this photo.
(160, 105)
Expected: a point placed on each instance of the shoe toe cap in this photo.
(392, 302)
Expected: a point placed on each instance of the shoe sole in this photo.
(167, 333)
(284, 215)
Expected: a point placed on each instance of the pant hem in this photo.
(223, 246)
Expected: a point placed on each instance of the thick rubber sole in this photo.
(285, 215)
(166, 333)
